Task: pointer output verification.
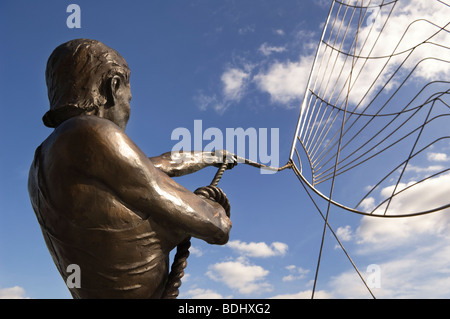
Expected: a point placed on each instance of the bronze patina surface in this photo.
(102, 204)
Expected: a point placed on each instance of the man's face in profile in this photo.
(119, 113)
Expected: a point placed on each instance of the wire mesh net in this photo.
(373, 132)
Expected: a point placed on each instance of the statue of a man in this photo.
(101, 203)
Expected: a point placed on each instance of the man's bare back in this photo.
(104, 205)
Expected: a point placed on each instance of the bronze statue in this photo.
(101, 203)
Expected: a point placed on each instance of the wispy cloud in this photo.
(438, 157)
(267, 50)
(246, 29)
(259, 249)
(412, 253)
(407, 40)
(295, 273)
(15, 292)
(344, 233)
(240, 275)
(420, 272)
(199, 293)
(285, 82)
(195, 251)
(279, 32)
(321, 294)
(234, 81)
(243, 276)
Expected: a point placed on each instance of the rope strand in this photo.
(180, 260)
(177, 271)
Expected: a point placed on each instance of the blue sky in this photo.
(231, 64)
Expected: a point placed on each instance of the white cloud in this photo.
(204, 101)
(267, 50)
(234, 82)
(195, 251)
(321, 294)
(285, 81)
(186, 278)
(289, 277)
(199, 293)
(402, 43)
(428, 169)
(368, 203)
(344, 233)
(413, 253)
(392, 232)
(246, 29)
(323, 3)
(422, 272)
(438, 157)
(260, 249)
(15, 292)
(386, 234)
(295, 273)
(418, 33)
(241, 276)
(349, 285)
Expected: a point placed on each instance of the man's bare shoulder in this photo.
(88, 124)
(87, 130)
(89, 137)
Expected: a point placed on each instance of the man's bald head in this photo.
(78, 77)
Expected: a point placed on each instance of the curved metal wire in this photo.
(351, 118)
(359, 124)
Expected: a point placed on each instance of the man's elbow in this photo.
(222, 234)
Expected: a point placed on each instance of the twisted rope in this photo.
(177, 271)
(180, 260)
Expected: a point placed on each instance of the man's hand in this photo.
(223, 156)
(182, 163)
(216, 194)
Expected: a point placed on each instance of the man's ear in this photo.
(113, 89)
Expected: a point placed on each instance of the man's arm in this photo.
(113, 160)
(183, 163)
